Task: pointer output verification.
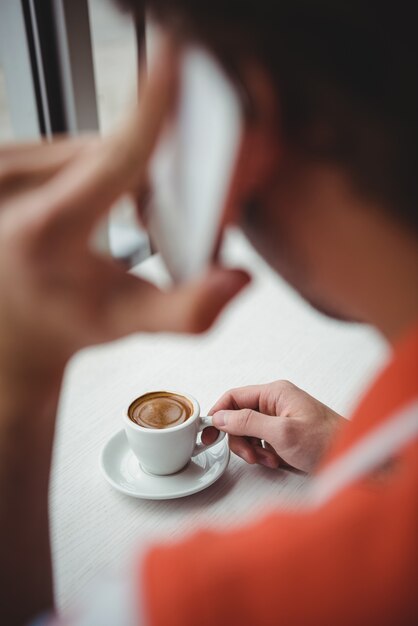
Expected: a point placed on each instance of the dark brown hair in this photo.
(346, 76)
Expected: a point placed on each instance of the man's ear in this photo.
(260, 150)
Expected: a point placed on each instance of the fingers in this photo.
(270, 398)
(24, 166)
(87, 188)
(17, 153)
(243, 397)
(245, 423)
(251, 450)
(141, 198)
(209, 435)
(136, 137)
(139, 306)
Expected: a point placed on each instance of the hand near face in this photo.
(296, 429)
(56, 294)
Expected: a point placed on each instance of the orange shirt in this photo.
(352, 561)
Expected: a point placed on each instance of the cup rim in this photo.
(159, 431)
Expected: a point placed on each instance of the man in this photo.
(328, 193)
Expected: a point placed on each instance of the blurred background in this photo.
(70, 66)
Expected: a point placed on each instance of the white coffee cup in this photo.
(164, 451)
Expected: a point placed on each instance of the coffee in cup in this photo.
(162, 428)
(160, 409)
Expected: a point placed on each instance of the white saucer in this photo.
(122, 470)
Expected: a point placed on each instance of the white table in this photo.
(267, 333)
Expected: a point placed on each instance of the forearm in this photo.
(27, 418)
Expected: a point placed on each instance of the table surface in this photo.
(268, 333)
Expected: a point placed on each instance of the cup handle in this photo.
(201, 447)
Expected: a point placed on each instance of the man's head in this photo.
(328, 182)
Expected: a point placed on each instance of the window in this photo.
(70, 66)
(115, 59)
(6, 131)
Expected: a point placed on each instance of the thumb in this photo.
(138, 306)
(245, 423)
(196, 305)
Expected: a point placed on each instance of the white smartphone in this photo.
(192, 168)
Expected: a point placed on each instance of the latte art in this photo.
(160, 409)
